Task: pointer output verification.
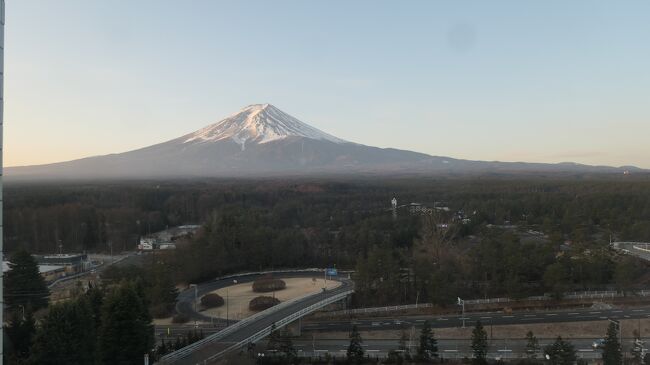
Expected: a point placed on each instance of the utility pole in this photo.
(196, 295)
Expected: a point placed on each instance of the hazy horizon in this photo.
(509, 81)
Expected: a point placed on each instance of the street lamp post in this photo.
(462, 303)
(196, 295)
(234, 281)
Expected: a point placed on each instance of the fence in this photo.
(606, 294)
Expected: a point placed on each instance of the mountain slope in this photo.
(263, 140)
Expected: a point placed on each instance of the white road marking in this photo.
(638, 310)
(551, 314)
(574, 314)
(486, 317)
(508, 317)
(443, 319)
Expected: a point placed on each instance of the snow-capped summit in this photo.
(258, 123)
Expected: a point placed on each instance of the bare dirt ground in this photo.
(592, 329)
(237, 297)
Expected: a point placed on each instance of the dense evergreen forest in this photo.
(249, 225)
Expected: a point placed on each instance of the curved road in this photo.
(185, 300)
(639, 249)
(185, 305)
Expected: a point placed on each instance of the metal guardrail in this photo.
(604, 294)
(281, 323)
(181, 353)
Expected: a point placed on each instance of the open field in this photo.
(238, 296)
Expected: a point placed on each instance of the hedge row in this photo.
(212, 300)
(267, 285)
(261, 303)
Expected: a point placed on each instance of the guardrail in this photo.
(281, 323)
(604, 294)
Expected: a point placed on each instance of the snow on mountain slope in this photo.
(258, 123)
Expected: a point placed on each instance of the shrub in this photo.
(261, 303)
(212, 300)
(181, 318)
(267, 285)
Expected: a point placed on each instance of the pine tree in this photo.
(479, 344)
(355, 350)
(66, 326)
(560, 352)
(126, 332)
(162, 290)
(428, 348)
(532, 345)
(24, 285)
(20, 332)
(612, 354)
(637, 349)
(273, 343)
(286, 345)
(403, 339)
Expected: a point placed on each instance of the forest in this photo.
(476, 245)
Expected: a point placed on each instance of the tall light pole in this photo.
(462, 303)
(234, 281)
(2, 57)
(196, 294)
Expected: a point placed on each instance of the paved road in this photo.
(255, 326)
(185, 301)
(448, 348)
(172, 331)
(399, 322)
(629, 248)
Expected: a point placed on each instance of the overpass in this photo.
(254, 328)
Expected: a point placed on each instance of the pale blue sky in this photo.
(542, 81)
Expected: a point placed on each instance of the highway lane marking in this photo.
(530, 315)
(486, 317)
(586, 350)
(507, 316)
(594, 312)
(551, 314)
(638, 310)
(450, 350)
(617, 311)
(573, 314)
(443, 319)
(531, 319)
(371, 350)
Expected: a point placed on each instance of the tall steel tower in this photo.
(2, 102)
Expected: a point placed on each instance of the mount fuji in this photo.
(262, 140)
